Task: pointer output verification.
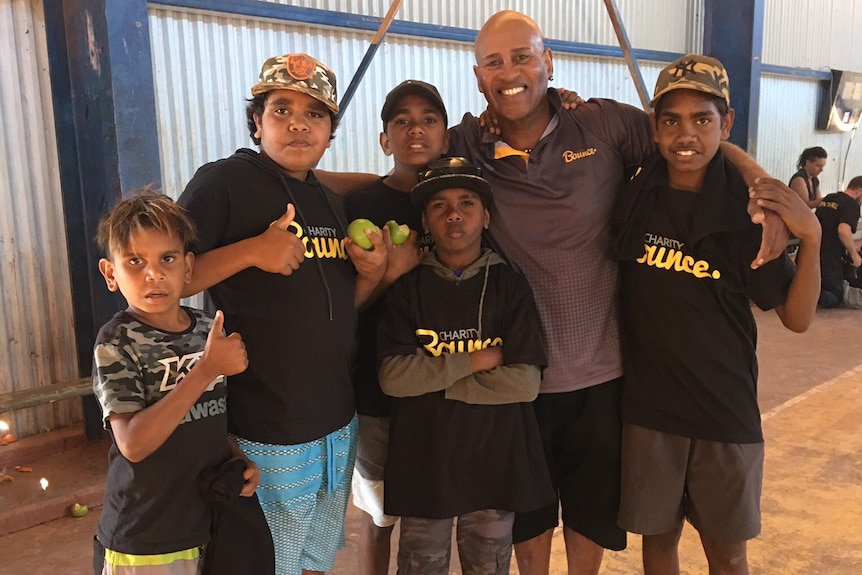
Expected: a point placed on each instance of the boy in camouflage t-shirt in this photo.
(159, 377)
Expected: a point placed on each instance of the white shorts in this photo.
(367, 484)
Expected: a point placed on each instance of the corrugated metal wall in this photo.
(656, 25)
(816, 34)
(205, 63)
(36, 325)
(787, 126)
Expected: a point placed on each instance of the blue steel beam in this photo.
(733, 33)
(104, 108)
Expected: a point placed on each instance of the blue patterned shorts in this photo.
(303, 492)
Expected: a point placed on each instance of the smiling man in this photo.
(555, 175)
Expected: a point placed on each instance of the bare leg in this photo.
(373, 547)
(583, 555)
(661, 553)
(725, 558)
(307, 572)
(534, 555)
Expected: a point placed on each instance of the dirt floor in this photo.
(810, 396)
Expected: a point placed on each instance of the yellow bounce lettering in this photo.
(671, 259)
(430, 341)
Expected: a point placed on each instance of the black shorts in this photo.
(582, 434)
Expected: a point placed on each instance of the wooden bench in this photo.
(36, 396)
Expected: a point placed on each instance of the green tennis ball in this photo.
(398, 233)
(79, 510)
(356, 232)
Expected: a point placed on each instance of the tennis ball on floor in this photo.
(356, 232)
(398, 233)
(79, 510)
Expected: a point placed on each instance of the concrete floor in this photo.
(810, 396)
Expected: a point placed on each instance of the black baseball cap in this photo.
(408, 88)
(448, 173)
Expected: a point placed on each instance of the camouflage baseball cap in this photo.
(693, 72)
(301, 73)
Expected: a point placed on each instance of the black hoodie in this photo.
(298, 329)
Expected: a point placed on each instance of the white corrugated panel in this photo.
(36, 325)
(665, 25)
(205, 64)
(816, 34)
(788, 112)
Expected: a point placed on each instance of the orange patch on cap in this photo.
(300, 67)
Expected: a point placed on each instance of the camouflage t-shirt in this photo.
(155, 505)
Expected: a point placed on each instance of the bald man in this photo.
(555, 175)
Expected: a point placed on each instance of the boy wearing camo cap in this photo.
(692, 439)
(159, 375)
(292, 280)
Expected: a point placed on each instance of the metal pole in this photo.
(369, 55)
(626, 47)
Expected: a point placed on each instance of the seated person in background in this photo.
(804, 182)
(838, 214)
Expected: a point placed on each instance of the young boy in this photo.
(285, 279)
(461, 353)
(159, 377)
(414, 133)
(692, 440)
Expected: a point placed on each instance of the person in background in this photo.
(805, 181)
(838, 214)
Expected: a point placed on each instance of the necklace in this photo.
(527, 150)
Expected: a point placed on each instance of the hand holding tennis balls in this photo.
(356, 232)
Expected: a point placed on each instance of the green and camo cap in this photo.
(693, 72)
(300, 73)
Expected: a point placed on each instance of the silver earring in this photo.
(551, 77)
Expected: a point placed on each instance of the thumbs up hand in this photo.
(225, 355)
(278, 250)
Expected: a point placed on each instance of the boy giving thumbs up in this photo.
(159, 375)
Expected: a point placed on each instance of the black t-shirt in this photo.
(446, 457)
(298, 329)
(835, 209)
(378, 203)
(155, 505)
(689, 334)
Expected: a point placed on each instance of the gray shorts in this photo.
(667, 478)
